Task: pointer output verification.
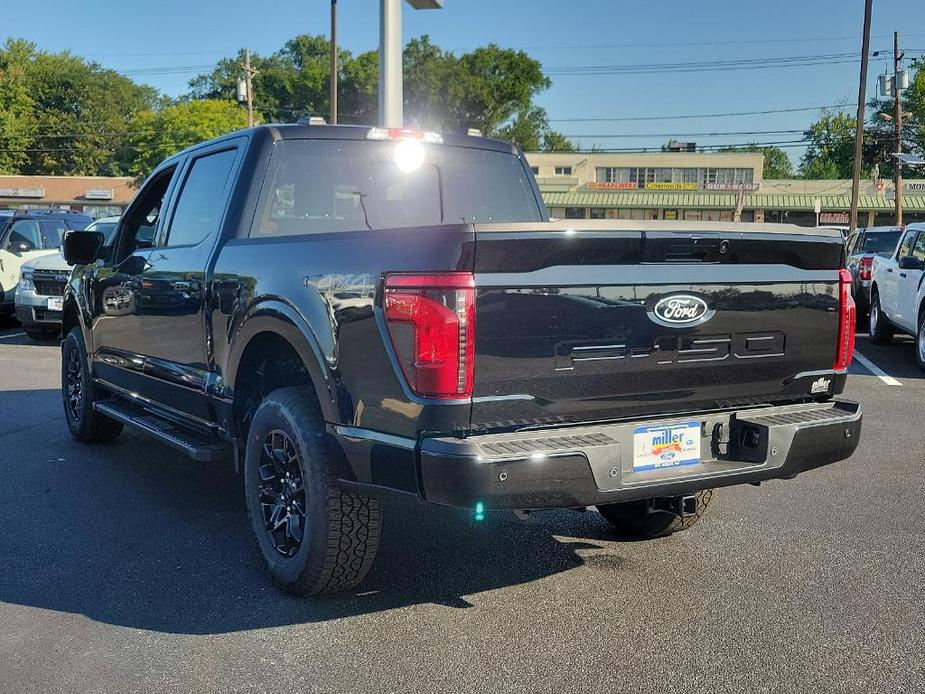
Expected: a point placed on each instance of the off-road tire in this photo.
(879, 329)
(633, 519)
(341, 533)
(86, 424)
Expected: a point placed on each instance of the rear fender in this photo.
(278, 317)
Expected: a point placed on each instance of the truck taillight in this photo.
(847, 318)
(864, 268)
(431, 323)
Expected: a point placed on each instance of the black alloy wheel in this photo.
(73, 385)
(281, 493)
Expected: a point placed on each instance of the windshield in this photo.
(332, 185)
(880, 242)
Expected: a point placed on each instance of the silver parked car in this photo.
(861, 249)
(40, 292)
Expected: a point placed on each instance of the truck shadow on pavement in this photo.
(135, 535)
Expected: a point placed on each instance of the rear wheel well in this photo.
(269, 362)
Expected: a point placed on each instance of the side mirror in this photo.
(82, 247)
(21, 247)
(908, 262)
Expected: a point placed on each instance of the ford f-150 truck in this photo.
(348, 312)
(897, 294)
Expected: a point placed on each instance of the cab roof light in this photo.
(404, 134)
(474, 132)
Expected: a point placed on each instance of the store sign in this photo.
(915, 187)
(730, 186)
(652, 185)
(99, 194)
(834, 218)
(613, 186)
(22, 192)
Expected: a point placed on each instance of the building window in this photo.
(598, 213)
(535, 170)
(613, 174)
(563, 170)
(575, 213)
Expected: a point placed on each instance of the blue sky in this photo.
(561, 34)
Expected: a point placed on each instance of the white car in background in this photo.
(40, 292)
(897, 292)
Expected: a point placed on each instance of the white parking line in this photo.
(7, 337)
(876, 370)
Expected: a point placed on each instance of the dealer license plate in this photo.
(666, 445)
(56, 303)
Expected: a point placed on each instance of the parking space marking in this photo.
(876, 370)
(6, 337)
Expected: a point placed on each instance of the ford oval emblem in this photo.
(681, 310)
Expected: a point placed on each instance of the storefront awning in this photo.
(722, 201)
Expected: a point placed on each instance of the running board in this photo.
(198, 445)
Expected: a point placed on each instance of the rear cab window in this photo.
(317, 186)
(880, 242)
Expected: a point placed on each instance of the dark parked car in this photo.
(862, 247)
(353, 311)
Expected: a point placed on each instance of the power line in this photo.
(737, 42)
(698, 115)
(705, 66)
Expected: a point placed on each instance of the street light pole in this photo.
(391, 97)
(898, 127)
(334, 70)
(390, 64)
(859, 133)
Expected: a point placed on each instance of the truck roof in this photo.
(301, 131)
(677, 226)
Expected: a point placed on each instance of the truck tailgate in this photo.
(589, 321)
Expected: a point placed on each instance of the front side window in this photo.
(24, 236)
(203, 198)
(905, 248)
(317, 186)
(918, 250)
(53, 233)
(140, 226)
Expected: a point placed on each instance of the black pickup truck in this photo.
(350, 311)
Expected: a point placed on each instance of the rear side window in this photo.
(202, 200)
(880, 242)
(315, 186)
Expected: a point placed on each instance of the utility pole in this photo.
(898, 128)
(334, 72)
(859, 134)
(249, 81)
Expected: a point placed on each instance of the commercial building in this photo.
(97, 196)
(711, 186)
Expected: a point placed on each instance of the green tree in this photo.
(490, 88)
(530, 129)
(162, 133)
(16, 106)
(830, 148)
(777, 163)
(72, 116)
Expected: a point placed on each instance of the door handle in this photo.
(889, 269)
(902, 274)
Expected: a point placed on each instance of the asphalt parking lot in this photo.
(126, 568)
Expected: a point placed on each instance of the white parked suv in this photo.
(40, 292)
(897, 291)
